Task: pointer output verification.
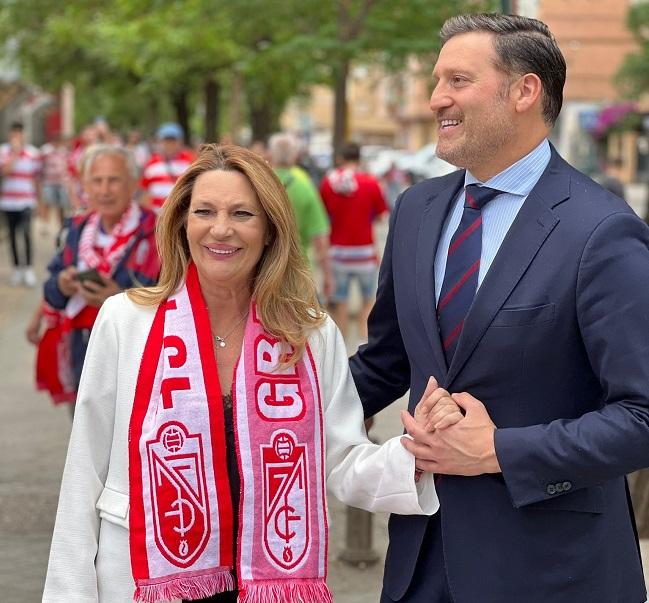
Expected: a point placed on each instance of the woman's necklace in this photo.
(220, 341)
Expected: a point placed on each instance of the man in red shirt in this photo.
(164, 167)
(354, 201)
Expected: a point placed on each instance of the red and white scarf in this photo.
(181, 517)
(103, 251)
(105, 257)
(54, 372)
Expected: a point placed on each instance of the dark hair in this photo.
(522, 45)
(351, 152)
(16, 126)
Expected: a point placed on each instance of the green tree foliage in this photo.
(634, 73)
(380, 32)
(140, 60)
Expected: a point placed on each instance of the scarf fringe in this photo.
(187, 587)
(285, 591)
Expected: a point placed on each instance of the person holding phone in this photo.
(108, 249)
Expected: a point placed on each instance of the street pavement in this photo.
(33, 447)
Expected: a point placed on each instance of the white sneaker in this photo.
(29, 278)
(16, 278)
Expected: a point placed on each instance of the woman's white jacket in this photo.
(89, 556)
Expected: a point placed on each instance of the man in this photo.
(107, 250)
(20, 175)
(354, 201)
(164, 167)
(56, 158)
(550, 360)
(310, 215)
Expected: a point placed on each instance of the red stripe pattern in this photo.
(462, 268)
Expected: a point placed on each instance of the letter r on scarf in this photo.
(170, 385)
(268, 354)
(280, 401)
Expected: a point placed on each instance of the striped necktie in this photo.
(462, 267)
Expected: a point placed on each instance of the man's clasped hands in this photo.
(450, 433)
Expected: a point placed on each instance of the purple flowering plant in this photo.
(618, 117)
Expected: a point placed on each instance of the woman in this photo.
(198, 441)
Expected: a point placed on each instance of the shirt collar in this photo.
(520, 177)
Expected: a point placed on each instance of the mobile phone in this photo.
(89, 275)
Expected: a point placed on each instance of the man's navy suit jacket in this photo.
(556, 345)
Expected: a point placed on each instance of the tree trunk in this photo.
(180, 102)
(236, 99)
(262, 121)
(340, 108)
(152, 120)
(212, 105)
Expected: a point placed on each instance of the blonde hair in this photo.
(283, 288)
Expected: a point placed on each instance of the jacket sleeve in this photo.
(378, 478)
(71, 572)
(381, 368)
(612, 302)
(51, 291)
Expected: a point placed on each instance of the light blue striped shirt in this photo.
(516, 182)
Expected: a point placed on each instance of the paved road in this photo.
(33, 445)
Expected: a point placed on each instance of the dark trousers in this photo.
(429, 584)
(18, 221)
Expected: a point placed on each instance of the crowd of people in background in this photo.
(336, 213)
(102, 192)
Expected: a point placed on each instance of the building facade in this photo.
(393, 110)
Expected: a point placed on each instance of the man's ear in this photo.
(526, 92)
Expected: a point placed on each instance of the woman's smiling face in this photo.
(227, 228)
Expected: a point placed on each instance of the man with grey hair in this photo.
(516, 284)
(107, 250)
(310, 214)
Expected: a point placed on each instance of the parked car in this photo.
(422, 164)
(425, 163)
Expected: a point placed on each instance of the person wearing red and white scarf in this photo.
(116, 238)
(213, 410)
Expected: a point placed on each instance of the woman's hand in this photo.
(436, 409)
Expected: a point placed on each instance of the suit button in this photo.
(551, 489)
(566, 486)
(559, 487)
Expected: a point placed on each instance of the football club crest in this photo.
(178, 493)
(286, 500)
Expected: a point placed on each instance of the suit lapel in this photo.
(430, 230)
(534, 222)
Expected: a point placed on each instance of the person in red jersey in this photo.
(354, 201)
(164, 167)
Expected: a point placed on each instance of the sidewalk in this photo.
(33, 448)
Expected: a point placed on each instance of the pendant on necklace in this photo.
(220, 341)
